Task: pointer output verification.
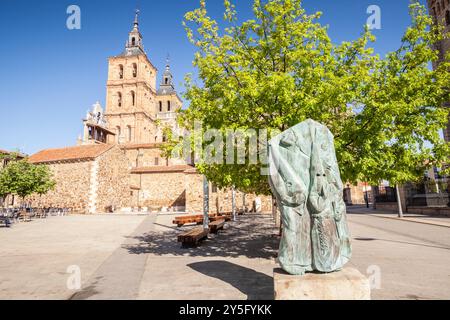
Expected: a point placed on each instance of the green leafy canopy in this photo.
(281, 67)
(23, 179)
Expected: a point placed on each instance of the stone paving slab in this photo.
(237, 263)
(34, 256)
(119, 276)
(138, 257)
(418, 218)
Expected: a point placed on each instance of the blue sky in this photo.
(51, 75)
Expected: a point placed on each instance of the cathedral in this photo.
(117, 163)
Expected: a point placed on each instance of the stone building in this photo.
(129, 132)
(440, 11)
(89, 178)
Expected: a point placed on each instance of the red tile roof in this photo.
(70, 153)
(162, 169)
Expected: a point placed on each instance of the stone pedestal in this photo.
(347, 284)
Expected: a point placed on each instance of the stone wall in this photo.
(220, 200)
(194, 192)
(72, 186)
(165, 189)
(113, 180)
(147, 157)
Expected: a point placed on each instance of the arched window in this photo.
(118, 134)
(160, 106)
(133, 98)
(447, 18)
(134, 70)
(120, 71)
(166, 80)
(438, 8)
(164, 138)
(168, 106)
(133, 41)
(129, 133)
(119, 99)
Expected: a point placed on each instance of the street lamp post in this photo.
(399, 202)
(233, 202)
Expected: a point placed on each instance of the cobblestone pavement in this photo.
(138, 257)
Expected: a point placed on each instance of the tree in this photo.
(281, 67)
(23, 179)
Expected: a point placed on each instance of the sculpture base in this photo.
(347, 284)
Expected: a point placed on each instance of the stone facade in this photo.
(165, 189)
(88, 178)
(73, 180)
(113, 180)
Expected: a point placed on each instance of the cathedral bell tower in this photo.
(134, 43)
(131, 92)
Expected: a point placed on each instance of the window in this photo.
(119, 99)
(447, 18)
(156, 161)
(213, 188)
(166, 80)
(133, 41)
(164, 138)
(129, 133)
(134, 70)
(120, 71)
(160, 106)
(133, 98)
(118, 134)
(168, 106)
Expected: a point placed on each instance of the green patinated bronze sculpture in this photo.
(304, 178)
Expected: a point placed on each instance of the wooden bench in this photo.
(226, 215)
(216, 225)
(24, 216)
(198, 218)
(193, 237)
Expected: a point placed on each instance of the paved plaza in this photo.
(138, 257)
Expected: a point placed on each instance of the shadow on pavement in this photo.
(256, 285)
(247, 237)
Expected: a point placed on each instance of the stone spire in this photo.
(134, 44)
(167, 79)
